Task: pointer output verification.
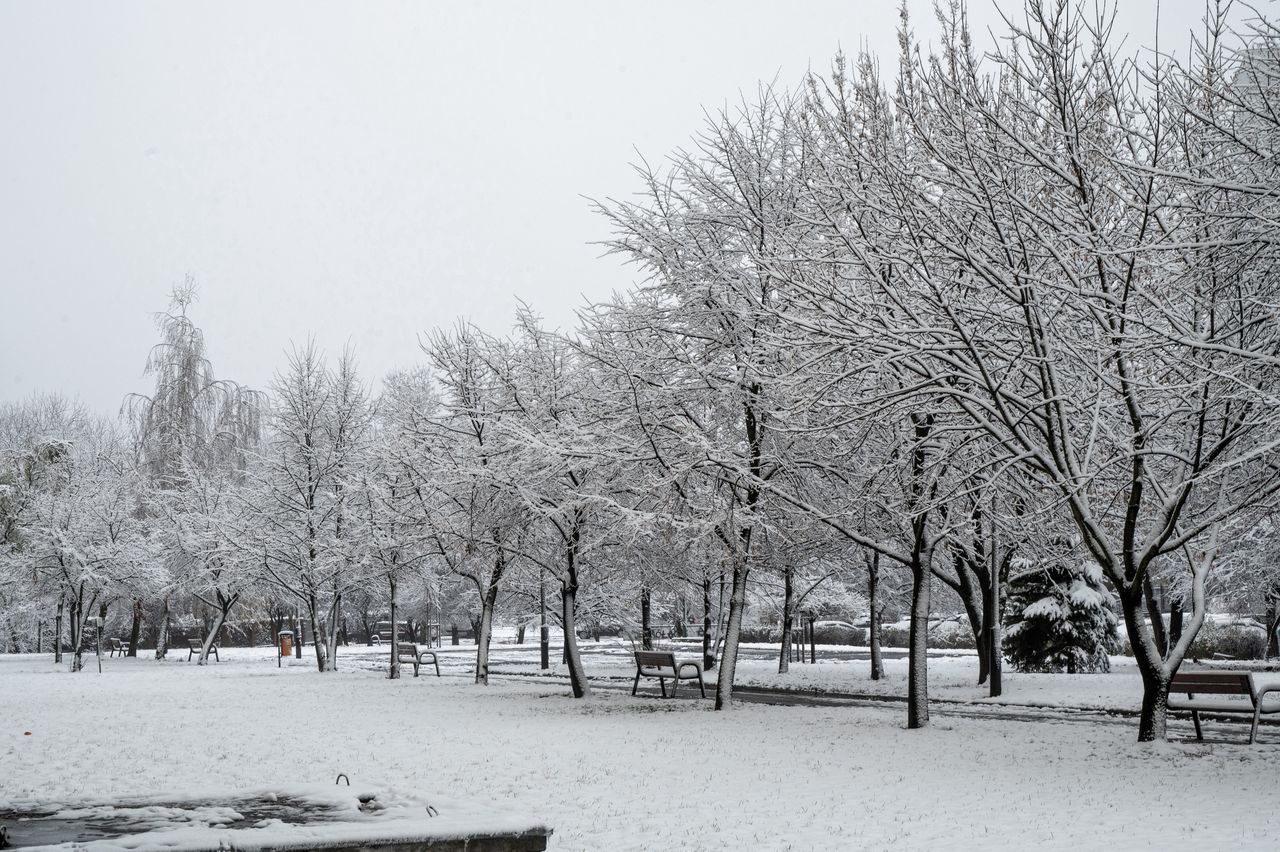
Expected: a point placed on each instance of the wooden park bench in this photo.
(1222, 692)
(119, 647)
(409, 653)
(663, 665)
(196, 644)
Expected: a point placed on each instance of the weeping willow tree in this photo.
(192, 421)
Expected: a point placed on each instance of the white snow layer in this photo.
(623, 773)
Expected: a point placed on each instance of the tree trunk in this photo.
(973, 600)
(708, 659)
(577, 674)
(544, 632)
(1273, 629)
(721, 615)
(1157, 617)
(1175, 621)
(873, 626)
(135, 631)
(482, 643)
(76, 617)
(646, 623)
(317, 633)
(992, 626)
(393, 673)
(568, 612)
(57, 628)
(162, 631)
(488, 602)
(733, 629)
(333, 625)
(918, 665)
(1157, 669)
(788, 592)
(224, 609)
(1153, 719)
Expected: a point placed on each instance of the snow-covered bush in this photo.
(1237, 641)
(839, 634)
(1061, 618)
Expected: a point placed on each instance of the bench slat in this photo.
(1211, 683)
(656, 658)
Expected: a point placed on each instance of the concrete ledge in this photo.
(291, 817)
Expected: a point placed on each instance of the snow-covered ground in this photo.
(952, 674)
(617, 772)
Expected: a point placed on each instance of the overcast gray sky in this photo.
(358, 173)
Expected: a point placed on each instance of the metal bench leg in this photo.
(635, 684)
(1253, 732)
(1195, 717)
(702, 686)
(675, 684)
(662, 682)
(436, 663)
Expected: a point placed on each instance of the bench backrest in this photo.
(655, 660)
(195, 644)
(408, 649)
(115, 644)
(1217, 683)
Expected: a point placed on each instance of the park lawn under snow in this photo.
(617, 772)
(953, 675)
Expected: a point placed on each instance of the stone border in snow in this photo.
(330, 817)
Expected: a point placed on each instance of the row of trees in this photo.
(997, 313)
(957, 319)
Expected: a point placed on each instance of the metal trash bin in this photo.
(286, 643)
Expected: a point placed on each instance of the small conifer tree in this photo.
(1061, 618)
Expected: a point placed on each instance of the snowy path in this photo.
(1223, 729)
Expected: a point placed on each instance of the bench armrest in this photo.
(1264, 689)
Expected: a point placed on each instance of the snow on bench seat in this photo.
(663, 665)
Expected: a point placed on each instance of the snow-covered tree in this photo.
(1074, 303)
(1062, 618)
(84, 533)
(35, 435)
(699, 340)
(309, 538)
(205, 524)
(463, 472)
(560, 471)
(400, 542)
(191, 422)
